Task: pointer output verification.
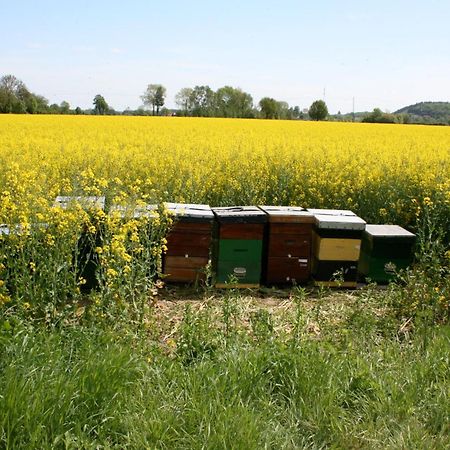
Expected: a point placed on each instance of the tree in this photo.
(269, 108)
(42, 104)
(203, 101)
(12, 94)
(160, 96)
(100, 105)
(283, 110)
(183, 100)
(154, 97)
(378, 116)
(54, 108)
(233, 102)
(296, 112)
(318, 110)
(64, 107)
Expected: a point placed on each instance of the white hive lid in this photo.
(331, 212)
(135, 212)
(388, 231)
(86, 202)
(340, 222)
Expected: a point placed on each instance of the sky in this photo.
(384, 53)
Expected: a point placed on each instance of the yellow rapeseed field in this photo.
(383, 172)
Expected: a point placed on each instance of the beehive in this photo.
(87, 258)
(385, 249)
(188, 242)
(287, 255)
(239, 233)
(336, 247)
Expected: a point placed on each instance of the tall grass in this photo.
(256, 386)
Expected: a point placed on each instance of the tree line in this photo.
(198, 101)
(16, 98)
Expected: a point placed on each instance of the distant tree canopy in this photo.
(318, 110)
(269, 108)
(378, 116)
(100, 105)
(233, 102)
(227, 101)
(154, 97)
(202, 101)
(16, 98)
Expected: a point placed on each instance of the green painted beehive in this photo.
(238, 246)
(385, 250)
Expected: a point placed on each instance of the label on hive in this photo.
(245, 273)
(240, 272)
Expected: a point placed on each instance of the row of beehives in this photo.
(249, 245)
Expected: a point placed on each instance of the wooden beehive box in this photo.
(287, 255)
(385, 249)
(336, 247)
(239, 233)
(188, 242)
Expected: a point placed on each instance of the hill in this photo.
(428, 112)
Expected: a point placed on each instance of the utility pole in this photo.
(353, 113)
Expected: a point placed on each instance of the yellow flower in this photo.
(4, 299)
(111, 273)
